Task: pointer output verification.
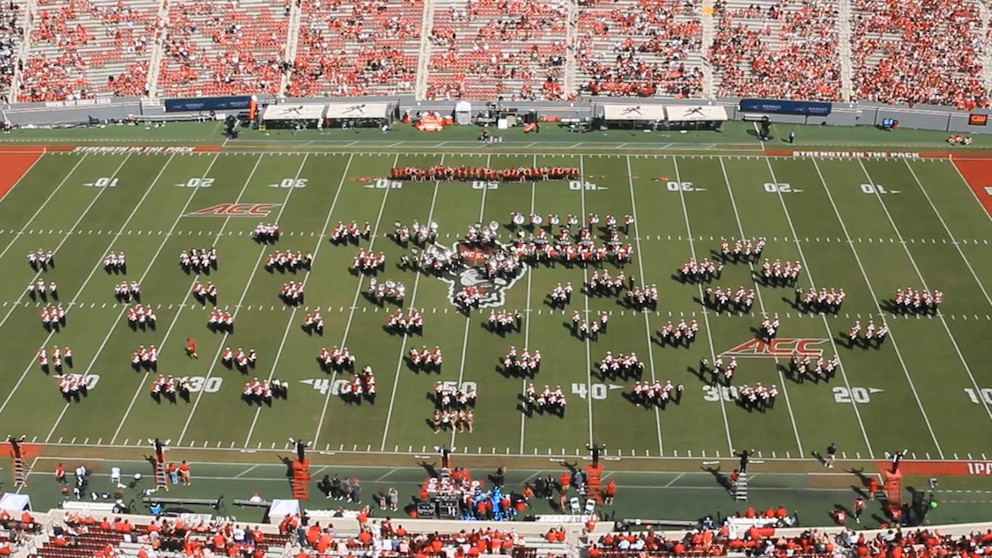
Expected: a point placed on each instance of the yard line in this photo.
(413, 299)
(950, 235)
(826, 325)
(354, 304)
(647, 321)
(585, 300)
(71, 303)
(306, 278)
(237, 309)
(43, 205)
(881, 314)
(912, 260)
(528, 312)
(706, 313)
(141, 279)
(468, 317)
(175, 318)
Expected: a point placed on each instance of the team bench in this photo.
(216, 503)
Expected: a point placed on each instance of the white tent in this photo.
(11, 502)
(293, 112)
(633, 113)
(282, 508)
(699, 113)
(358, 110)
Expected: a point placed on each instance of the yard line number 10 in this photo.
(980, 396)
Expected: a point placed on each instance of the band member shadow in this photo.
(54, 325)
(518, 372)
(76, 395)
(524, 406)
(721, 479)
(555, 303)
(380, 302)
(844, 339)
(660, 404)
(354, 399)
(761, 335)
(171, 397)
(792, 373)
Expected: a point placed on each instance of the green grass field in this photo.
(928, 388)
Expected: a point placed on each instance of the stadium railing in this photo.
(924, 117)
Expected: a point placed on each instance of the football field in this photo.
(869, 226)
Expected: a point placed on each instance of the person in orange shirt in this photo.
(184, 473)
(60, 474)
(191, 348)
(611, 491)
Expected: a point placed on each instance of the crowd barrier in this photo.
(945, 119)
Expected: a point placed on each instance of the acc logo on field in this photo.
(236, 210)
(777, 348)
(468, 270)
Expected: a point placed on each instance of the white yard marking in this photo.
(874, 297)
(43, 205)
(244, 294)
(468, 317)
(141, 279)
(74, 300)
(306, 278)
(354, 302)
(923, 281)
(585, 299)
(175, 319)
(706, 314)
(950, 235)
(647, 322)
(527, 313)
(826, 324)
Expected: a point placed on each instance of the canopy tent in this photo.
(359, 110)
(290, 112)
(11, 502)
(282, 508)
(698, 113)
(633, 113)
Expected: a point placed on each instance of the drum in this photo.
(536, 219)
(518, 219)
(493, 226)
(555, 220)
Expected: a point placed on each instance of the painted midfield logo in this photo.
(236, 210)
(469, 271)
(777, 348)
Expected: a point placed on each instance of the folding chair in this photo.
(574, 505)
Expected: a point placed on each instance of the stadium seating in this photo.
(81, 49)
(920, 52)
(781, 49)
(482, 49)
(357, 48)
(224, 47)
(11, 22)
(640, 48)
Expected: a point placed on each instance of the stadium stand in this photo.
(891, 39)
(11, 35)
(80, 49)
(782, 49)
(640, 48)
(224, 47)
(357, 48)
(829, 50)
(482, 49)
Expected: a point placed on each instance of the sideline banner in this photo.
(207, 103)
(774, 106)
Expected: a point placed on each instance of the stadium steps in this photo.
(292, 42)
(424, 59)
(986, 50)
(844, 46)
(158, 49)
(571, 62)
(27, 7)
(709, 30)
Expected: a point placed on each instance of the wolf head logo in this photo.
(468, 269)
